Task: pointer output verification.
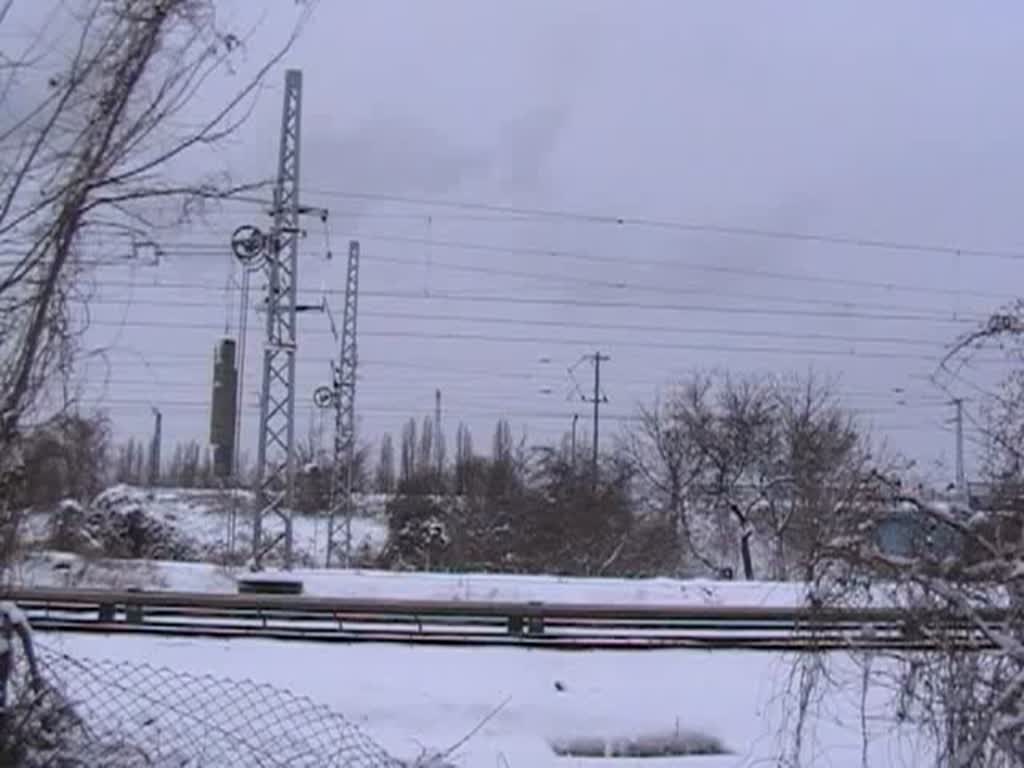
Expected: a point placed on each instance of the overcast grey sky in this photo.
(876, 120)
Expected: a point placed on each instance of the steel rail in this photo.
(798, 615)
(825, 643)
(463, 623)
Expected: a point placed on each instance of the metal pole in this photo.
(243, 335)
(597, 409)
(344, 397)
(154, 452)
(575, 418)
(598, 399)
(961, 473)
(276, 455)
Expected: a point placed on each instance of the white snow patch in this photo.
(204, 516)
(40, 570)
(674, 743)
(417, 700)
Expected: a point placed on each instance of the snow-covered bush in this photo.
(123, 525)
(67, 530)
(651, 745)
(418, 533)
(966, 707)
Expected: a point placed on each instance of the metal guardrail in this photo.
(532, 624)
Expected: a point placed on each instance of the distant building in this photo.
(913, 533)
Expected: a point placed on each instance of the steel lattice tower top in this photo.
(275, 458)
(344, 402)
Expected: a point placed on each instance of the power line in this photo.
(530, 322)
(456, 378)
(661, 289)
(847, 399)
(678, 225)
(476, 411)
(686, 266)
(435, 369)
(961, 319)
(490, 338)
(622, 285)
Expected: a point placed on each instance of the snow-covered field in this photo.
(414, 697)
(411, 697)
(205, 517)
(52, 569)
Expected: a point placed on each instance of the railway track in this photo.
(464, 623)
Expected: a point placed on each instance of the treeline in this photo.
(725, 473)
(747, 474)
(136, 463)
(75, 456)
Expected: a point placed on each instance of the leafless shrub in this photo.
(963, 596)
(751, 460)
(94, 146)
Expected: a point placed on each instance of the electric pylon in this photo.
(597, 400)
(343, 398)
(276, 458)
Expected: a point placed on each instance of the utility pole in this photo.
(343, 398)
(154, 449)
(276, 451)
(961, 472)
(598, 398)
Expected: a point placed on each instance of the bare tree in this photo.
(961, 589)
(425, 457)
(66, 458)
(667, 462)
(190, 468)
(711, 438)
(408, 456)
(506, 469)
(463, 457)
(736, 458)
(503, 446)
(819, 467)
(384, 480)
(129, 460)
(956, 575)
(93, 145)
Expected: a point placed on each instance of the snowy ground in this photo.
(204, 516)
(412, 697)
(40, 570)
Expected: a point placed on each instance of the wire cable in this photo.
(623, 285)
(474, 320)
(576, 342)
(473, 297)
(616, 220)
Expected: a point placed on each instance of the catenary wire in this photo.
(212, 249)
(624, 285)
(618, 220)
(491, 338)
(603, 326)
(448, 296)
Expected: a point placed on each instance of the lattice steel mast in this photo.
(275, 458)
(344, 400)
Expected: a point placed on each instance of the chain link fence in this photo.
(104, 714)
